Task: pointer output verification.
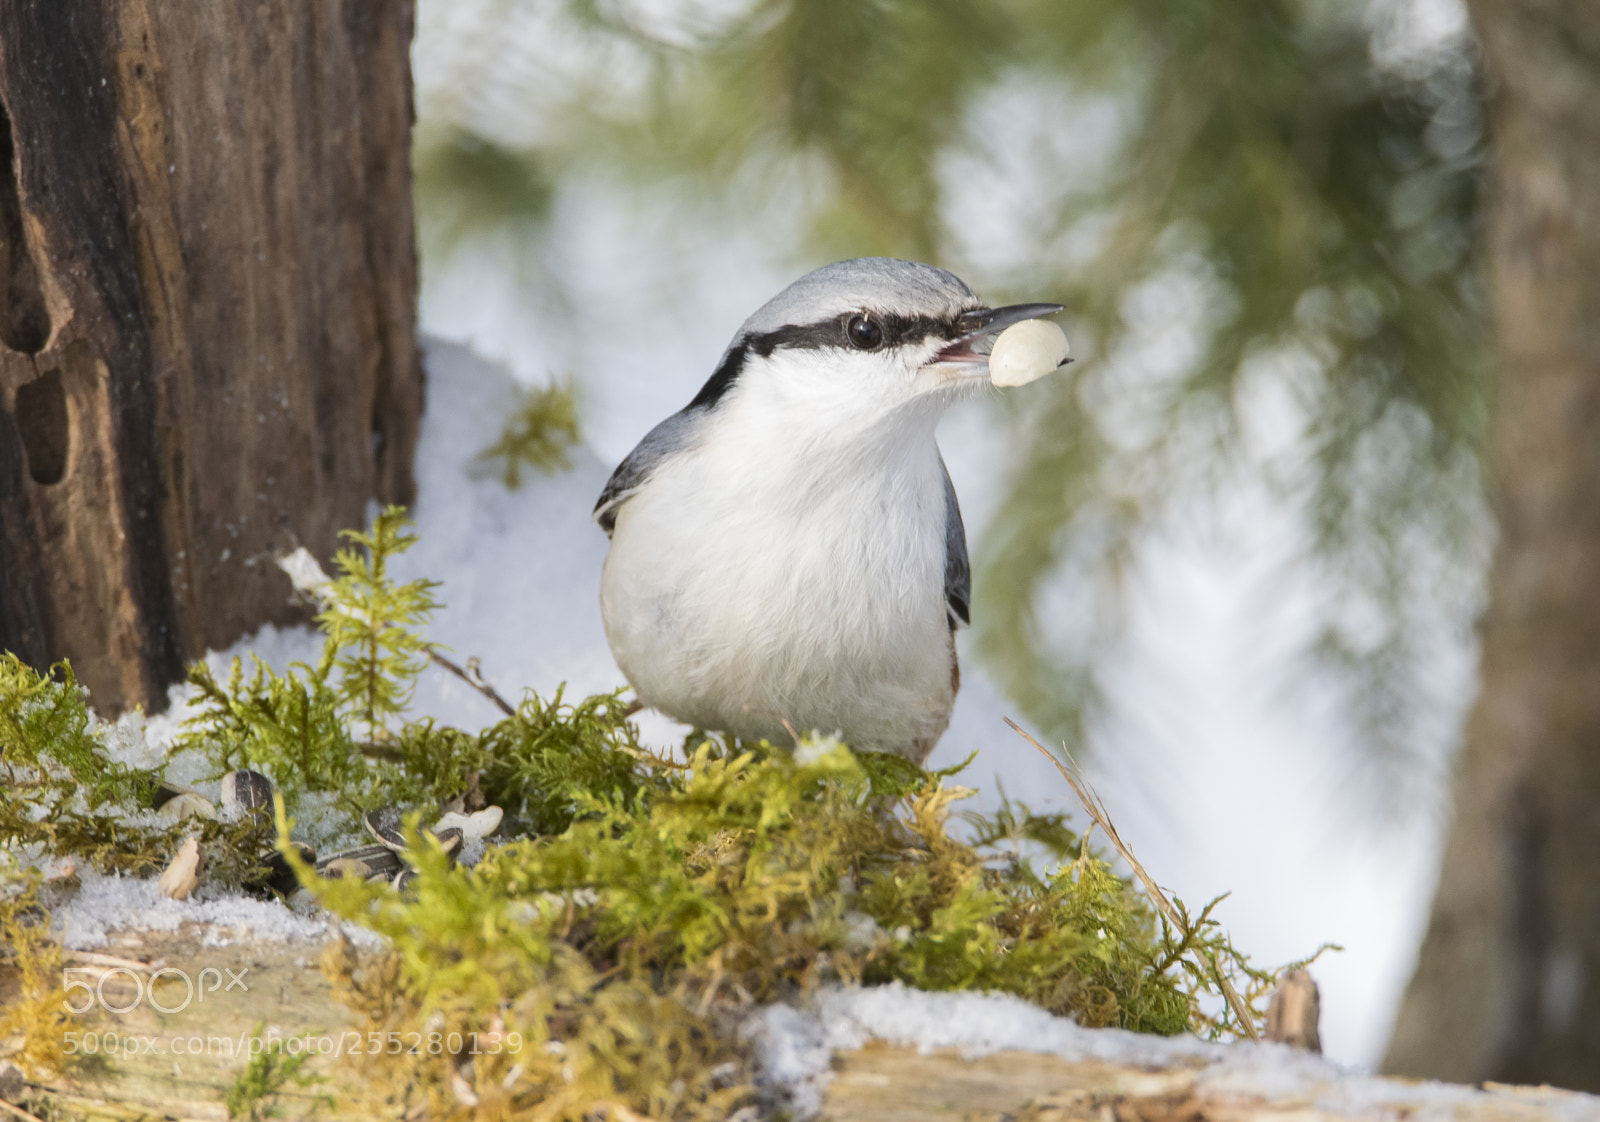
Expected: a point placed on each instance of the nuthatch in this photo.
(787, 553)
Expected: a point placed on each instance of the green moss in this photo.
(541, 763)
(48, 748)
(65, 794)
(31, 1024)
(371, 624)
(288, 726)
(253, 1094)
(304, 728)
(671, 905)
(648, 900)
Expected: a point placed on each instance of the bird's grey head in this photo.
(880, 286)
(860, 340)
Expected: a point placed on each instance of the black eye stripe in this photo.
(905, 329)
(721, 380)
(832, 332)
(828, 333)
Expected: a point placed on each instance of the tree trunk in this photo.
(1507, 986)
(207, 354)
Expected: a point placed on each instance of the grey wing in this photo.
(957, 569)
(666, 439)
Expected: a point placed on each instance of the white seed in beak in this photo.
(1026, 352)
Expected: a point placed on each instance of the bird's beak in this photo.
(979, 325)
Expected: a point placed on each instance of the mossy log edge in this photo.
(282, 994)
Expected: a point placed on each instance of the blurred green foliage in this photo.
(542, 426)
(1306, 213)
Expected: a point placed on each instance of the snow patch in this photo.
(795, 1048)
(106, 904)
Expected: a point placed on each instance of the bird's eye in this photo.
(864, 333)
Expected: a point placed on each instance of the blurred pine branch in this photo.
(536, 435)
(1305, 213)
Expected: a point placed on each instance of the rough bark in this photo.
(208, 277)
(1507, 986)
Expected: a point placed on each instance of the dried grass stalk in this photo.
(1102, 818)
